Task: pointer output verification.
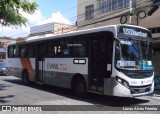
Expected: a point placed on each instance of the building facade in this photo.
(96, 13)
(2, 54)
(52, 28)
(3, 46)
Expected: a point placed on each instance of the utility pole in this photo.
(132, 6)
(137, 16)
(131, 11)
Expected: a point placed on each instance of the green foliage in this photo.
(19, 39)
(10, 11)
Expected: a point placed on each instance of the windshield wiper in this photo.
(135, 45)
(147, 51)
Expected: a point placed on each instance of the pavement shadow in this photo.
(101, 100)
(15, 81)
(3, 87)
(4, 75)
(3, 98)
(116, 101)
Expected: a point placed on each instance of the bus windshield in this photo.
(133, 54)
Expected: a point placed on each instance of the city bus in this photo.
(112, 60)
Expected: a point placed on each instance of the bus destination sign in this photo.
(134, 31)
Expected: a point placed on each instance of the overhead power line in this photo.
(139, 3)
(61, 12)
(144, 7)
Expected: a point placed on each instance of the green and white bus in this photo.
(111, 60)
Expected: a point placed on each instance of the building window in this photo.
(89, 12)
(158, 29)
(120, 4)
(126, 3)
(155, 30)
(111, 5)
(3, 56)
(114, 4)
(104, 5)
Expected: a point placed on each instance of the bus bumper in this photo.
(120, 90)
(151, 89)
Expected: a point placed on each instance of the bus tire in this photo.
(80, 88)
(25, 77)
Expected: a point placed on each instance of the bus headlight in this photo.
(123, 82)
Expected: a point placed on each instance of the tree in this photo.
(19, 39)
(10, 11)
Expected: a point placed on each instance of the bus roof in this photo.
(109, 28)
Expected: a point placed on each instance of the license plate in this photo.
(142, 90)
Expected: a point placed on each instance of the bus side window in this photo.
(17, 51)
(24, 51)
(11, 51)
(65, 50)
(31, 52)
(50, 50)
(57, 48)
(79, 48)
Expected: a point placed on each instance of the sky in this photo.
(62, 11)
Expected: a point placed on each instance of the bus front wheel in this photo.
(80, 88)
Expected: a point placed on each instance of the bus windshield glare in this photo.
(133, 54)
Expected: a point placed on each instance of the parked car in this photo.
(3, 68)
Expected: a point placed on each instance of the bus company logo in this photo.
(142, 82)
(132, 32)
(56, 66)
(63, 66)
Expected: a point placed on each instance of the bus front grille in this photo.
(140, 89)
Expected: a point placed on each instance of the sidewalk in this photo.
(155, 95)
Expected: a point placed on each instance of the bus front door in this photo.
(97, 64)
(40, 63)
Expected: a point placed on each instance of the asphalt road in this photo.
(14, 92)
